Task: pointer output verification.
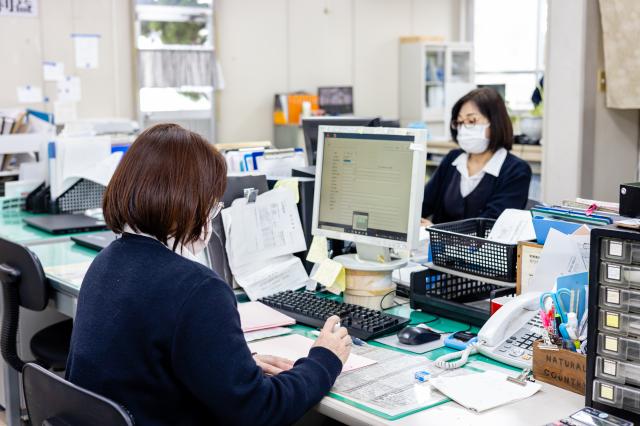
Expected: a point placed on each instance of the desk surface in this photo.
(13, 228)
(551, 403)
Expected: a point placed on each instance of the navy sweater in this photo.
(160, 335)
(443, 200)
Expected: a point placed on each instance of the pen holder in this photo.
(562, 368)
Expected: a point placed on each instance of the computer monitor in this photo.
(369, 187)
(336, 100)
(310, 130)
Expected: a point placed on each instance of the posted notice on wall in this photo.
(86, 48)
(69, 89)
(29, 94)
(53, 71)
(26, 8)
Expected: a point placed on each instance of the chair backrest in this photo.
(51, 400)
(23, 284)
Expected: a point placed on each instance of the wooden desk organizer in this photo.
(562, 368)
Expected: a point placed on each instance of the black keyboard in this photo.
(309, 309)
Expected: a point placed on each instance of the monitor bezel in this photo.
(418, 167)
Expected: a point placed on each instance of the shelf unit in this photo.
(433, 76)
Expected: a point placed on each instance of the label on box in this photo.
(612, 320)
(610, 367)
(613, 296)
(615, 248)
(614, 272)
(611, 343)
(606, 391)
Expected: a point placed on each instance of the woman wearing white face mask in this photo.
(481, 179)
(159, 333)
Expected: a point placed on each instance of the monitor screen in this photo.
(336, 100)
(366, 184)
(310, 130)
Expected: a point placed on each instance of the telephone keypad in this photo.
(520, 345)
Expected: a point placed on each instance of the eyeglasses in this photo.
(468, 123)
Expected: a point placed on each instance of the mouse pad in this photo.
(392, 340)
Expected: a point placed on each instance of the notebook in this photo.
(256, 316)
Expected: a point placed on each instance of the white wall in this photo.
(589, 149)
(26, 42)
(271, 46)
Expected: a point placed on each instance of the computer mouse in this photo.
(417, 336)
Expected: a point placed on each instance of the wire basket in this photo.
(463, 246)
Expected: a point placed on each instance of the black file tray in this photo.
(453, 296)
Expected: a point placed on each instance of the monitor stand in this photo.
(370, 258)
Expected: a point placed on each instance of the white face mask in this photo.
(473, 139)
(201, 243)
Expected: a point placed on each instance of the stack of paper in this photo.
(294, 346)
(261, 237)
(256, 316)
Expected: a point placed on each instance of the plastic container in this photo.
(623, 276)
(619, 323)
(622, 251)
(463, 246)
(619, 396)
(617, 371)
(620, 299)
(617, 347)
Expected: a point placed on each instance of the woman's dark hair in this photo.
(166, 185)
(491, 105)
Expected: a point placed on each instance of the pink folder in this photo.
(256, 316)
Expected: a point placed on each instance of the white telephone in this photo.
(507, 336)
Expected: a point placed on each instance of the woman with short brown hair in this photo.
(159, 333)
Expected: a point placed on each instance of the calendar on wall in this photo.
(19, 8)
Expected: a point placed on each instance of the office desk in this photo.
(549, 404)
(13, 228)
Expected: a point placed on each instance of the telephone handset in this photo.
(507, 336)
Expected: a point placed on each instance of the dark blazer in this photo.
(492, 196)
(160, 335)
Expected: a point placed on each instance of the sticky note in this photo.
(318, 250)
(611, 343)
(606, 391)
(291, 184)
(331, 274)
(613, 296)
(612, 320)
(613, 272)
(615, 248)
(610, 367)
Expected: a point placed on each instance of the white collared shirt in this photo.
(469, 183)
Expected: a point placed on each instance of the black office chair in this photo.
(53, 401)
(25, 285)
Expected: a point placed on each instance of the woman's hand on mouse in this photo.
(337, 341)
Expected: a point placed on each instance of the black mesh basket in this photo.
(463, 246)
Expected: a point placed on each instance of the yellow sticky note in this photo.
(612, 320)
(330, 272)
(318, 250)
(291, 184)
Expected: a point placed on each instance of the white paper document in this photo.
(69, 89)
(81, 158)
(265, 334)
(560, 256)
(295, 346)
(483, 391)
(53, 71)
(276, 275)
(29, 94)
(86, 49)
(267, 228)
(512, 226)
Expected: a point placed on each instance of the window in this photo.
(176, 63)
(509, 47)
